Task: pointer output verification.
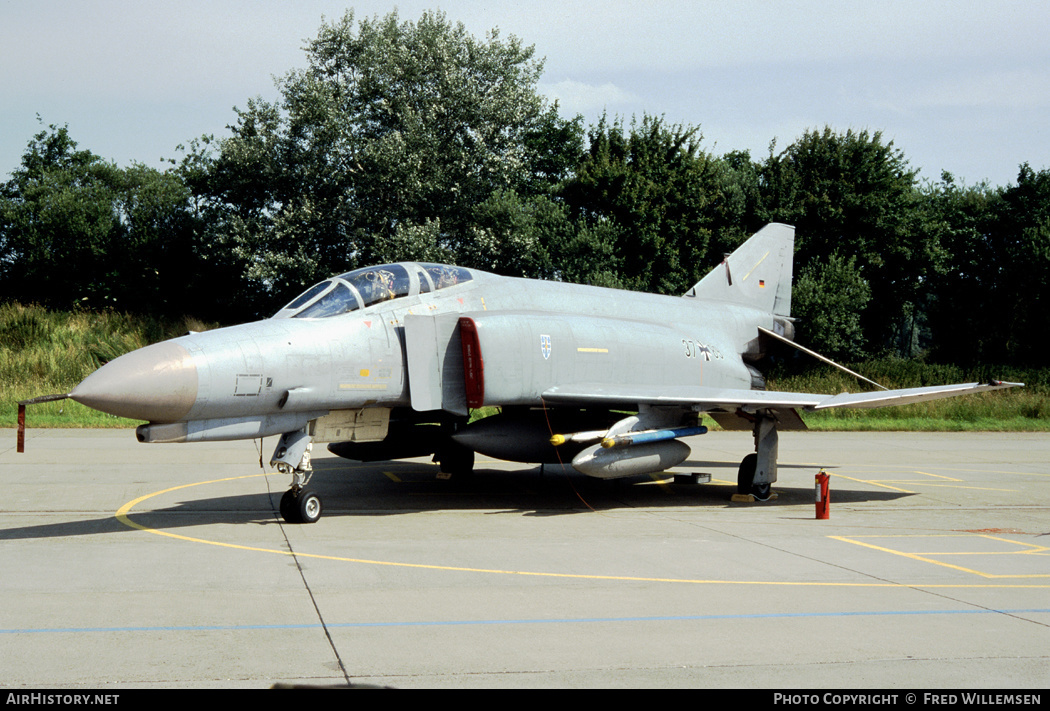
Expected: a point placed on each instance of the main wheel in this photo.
(456, 460)
(745, 475)
(309, 507)
(745, 479)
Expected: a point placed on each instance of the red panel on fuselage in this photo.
(473, 365)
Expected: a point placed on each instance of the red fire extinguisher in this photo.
(823, 494)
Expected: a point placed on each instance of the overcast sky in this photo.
(958, 86)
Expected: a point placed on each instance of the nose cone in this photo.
(157, 383)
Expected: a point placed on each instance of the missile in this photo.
(635, 438)
(590, 436)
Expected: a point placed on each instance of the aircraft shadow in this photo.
(395, 488)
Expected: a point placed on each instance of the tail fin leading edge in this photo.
(757, 274)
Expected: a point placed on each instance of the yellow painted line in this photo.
(662, 480)
(1034, 548)
(885, 483)
(948, 469)
(873, 483)
(123, 512)
(392, 477)
(949, 478)
(923, 557)
(975, 488)
(592, 350)
(912, 556)
(939, 476)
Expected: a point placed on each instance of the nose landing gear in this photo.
(292, 456)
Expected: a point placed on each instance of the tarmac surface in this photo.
(136, 566)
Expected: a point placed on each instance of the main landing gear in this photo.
(758, 471)
(292, 456)
(457, 461)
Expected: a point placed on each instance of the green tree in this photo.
(990, 305)
(512, 234)
(391, 137)
(738, 208)
(1022, 268)
(829, 296)
(648, 191)
(77, 230)
(855, 195)
(960, 319)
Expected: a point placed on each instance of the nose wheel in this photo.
(301, 506)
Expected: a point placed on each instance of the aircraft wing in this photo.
(704, 398)
(699, 396)
(888, 398)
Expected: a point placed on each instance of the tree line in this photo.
(414, 140)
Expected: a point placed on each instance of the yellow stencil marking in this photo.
(756, 266)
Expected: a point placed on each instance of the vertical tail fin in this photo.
(757, 274)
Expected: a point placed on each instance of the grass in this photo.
(44, 352)
(1015, 410)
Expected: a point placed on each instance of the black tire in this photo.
(745, 479)
(290, 507)
(456, 460)
(745, 475)
(308, 507)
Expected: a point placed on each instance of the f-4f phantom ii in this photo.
(387, 362)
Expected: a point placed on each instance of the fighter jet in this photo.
(388, 362)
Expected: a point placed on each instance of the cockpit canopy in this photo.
(372, 285)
